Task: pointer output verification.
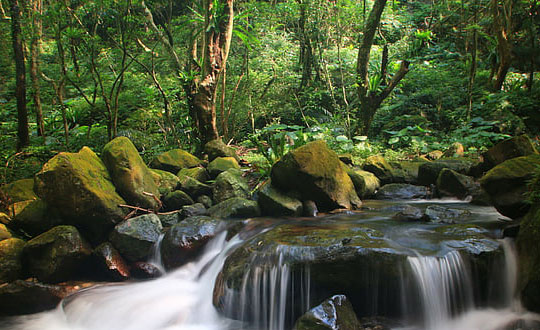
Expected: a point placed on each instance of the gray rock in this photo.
(276, 203)
(401, 191)
(410, 213)
(193, 210)
(135, 237)
(175, 200)
(230, 184)
(443, 214)
(193, 187)
(236, 207)
(335, 313)
(109, 263)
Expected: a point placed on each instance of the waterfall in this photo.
(155, 255)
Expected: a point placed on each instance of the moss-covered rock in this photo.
(176, 199)
(18, 191)
(57, 255)
(428, 172)
(380, 167)
(515, 147)
(135, 237)
(365, 183)
(335, 313)
(35, 218)
(274, 202)
(230, 184)
(529, 259)
(401, 191)
(216, 148)
(197, 173)
(193, 210)
(193, 187)
(175, 160)
(452, 183)
(78, 187)
(166, 181)
(406, 171)
(130, 175)
(184, 241)
(221, 164)
(236, 207)
(11, 250)
(506, 184)
(110, 265)
(317, 174)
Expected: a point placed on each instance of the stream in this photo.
(445, 275)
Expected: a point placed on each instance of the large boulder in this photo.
(34, 218)
(274, 202)
(229, 184)
(335, 313)
(184, 241)
(380, 167)
(175, 160)
(317, 174)
(401, 191)
(77, 186)
(365, 183)
(135, 237)
(193, 187)
(506, 184)
(515, 147)
(57, 255)
(216, 148)
(406, 171)
(428, 172)
(11, 267)
(236, 207)
(130, 175)
(221, 164)
(166, 181)
(452, 183)
(18, 191)
(529, 259)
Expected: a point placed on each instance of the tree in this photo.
(368, 89)
(502, 26)
(20, 92)
(35, 45)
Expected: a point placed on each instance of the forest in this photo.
(399, 78)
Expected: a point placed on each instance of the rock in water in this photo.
(11, 250)
(317, 173)
(335, 313)
(130, 175)
(135, 237)
(236, 207)
(276, 203)
(365, 183)
(78, 187)
(529, 259)
(110, 263)
(401, 191)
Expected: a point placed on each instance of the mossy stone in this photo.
(514, 147)
(198, 173)
(34, 219)
(401, 191)
(175, 160)
(274, 202)
(230, 184)
(176, 199)
(529, 259)
(57, 255)
(221, 164)
(378, 165)
(165, 181)
(11, 250)
(317, 174)
(216, 148)
(20, 190)
(193, 187)
(452, 183)
(130, 175)
(135, 237)
(78, 187)
(236, 207)
(365, 183)
(5, 233)
(428, 172)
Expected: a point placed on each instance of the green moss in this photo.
(198, 173)
(174, 160)
(20, 190)
(166, 181)
(221, 164)
(11, 250)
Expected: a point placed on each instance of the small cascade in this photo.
(155, 255)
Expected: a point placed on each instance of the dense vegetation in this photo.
(287, 71)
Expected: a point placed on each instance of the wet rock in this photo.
(175, 200)
(110, 264)
(169, 219)
(175, 160)
(365, 183)
(452, 183)
(205, 200)
(77, 186)
(130, 175)
(229, 184)
(401, 191)
(57, 255)
(274, 202)
(428, 172)
(145, 271)
(184, 241)
(216, 148)
(515, 147)
(410, 213)
(456, 149)
(309, 209)
(166, 181)
(28, 297)
(35, 218)
(197, 173)
(19, 191)
(506, 184)
(529, 260)
(335, 313)
(236, 207)
(193, 187)
(380, 167)
(317, 174)
(222, 164)
(135, 237)
(443, 214)
(11, 268)
(193, 210)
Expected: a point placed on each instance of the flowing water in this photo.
(439, 287)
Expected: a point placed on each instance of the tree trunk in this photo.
(502, 24)
(34, 63)
(20, 92)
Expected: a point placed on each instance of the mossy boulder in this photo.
(452, 183)
(176, 199)
(109, 264)
(428, 172)
(216, 148)
(77, 186)
(57, 255)
(229, 184)
(365, 183)
(515, 147)
(193, 187)
(236, 207)
(197, 173)
(135, 237)
(406, 171)
(130, 175)
(165, 181)
(274, 202)
(380, 167)
(184, 241)
(193, 210)
(317, 174)
(506, 184)
(221, 164)
(401, 191)
(18, 191)
(529, 259)
(335, 313)
(35, 218)
(11, 267)
(175, 160)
